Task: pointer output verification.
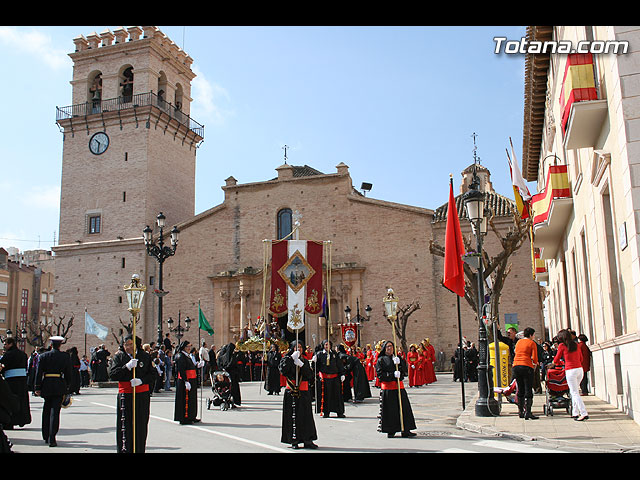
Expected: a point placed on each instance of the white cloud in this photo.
(36, 44)
(207, 100)
(43, 197)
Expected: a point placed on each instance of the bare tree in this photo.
(496, 267)
(39, 333)
(401, 320)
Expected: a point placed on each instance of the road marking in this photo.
(514, 447)
(226, 435)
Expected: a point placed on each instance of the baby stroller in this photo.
(556, 390)
(221, 387)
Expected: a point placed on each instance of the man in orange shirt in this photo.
(525, 360)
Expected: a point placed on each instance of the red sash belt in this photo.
(304, 385)
(190, 374)
(328, 375)
(391, 385)
(125, 387)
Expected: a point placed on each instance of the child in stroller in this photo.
(556, 389)
(221, 387)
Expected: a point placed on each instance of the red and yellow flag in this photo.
(578, 83)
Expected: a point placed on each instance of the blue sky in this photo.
(398, 105)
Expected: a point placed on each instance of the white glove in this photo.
(295, 355)
(298, 362)
(342, 378)
(313, 359)
(368, 364)
(396, 360)
(396, 374)
(413, 366)
(200, 364)
(135, 382)
(132, 363)
(187, 385)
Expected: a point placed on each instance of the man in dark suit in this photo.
(53, 379)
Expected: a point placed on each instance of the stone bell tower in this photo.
(129, 152)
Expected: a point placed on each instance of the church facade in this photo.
(219, 264)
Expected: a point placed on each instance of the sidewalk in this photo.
(607, 429)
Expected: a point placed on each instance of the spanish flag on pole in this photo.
(520, 189)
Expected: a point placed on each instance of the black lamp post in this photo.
(179, 329)
(486, 405)
(160, 252)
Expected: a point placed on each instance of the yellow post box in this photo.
(503, 355)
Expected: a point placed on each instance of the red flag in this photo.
(453, 249)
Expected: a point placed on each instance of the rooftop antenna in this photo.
(285, 154)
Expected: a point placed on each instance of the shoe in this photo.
(528, 415)
(408, 434)
(294, 446)
(53, 443)
(341, 415)
(391, 435)
(310, 445)
(581, 418)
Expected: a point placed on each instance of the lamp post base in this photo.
(486, 405)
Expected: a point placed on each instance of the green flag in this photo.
(202, 322)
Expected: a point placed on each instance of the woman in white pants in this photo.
(569, 352)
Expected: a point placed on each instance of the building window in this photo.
(285, 223)
(94, 224)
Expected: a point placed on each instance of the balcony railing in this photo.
(124, 103)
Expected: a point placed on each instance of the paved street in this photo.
(88, 426)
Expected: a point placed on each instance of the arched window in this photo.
(126, 85)
(285, 223)
(95, 93)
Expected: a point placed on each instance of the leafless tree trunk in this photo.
(498, 266)
(400, 323)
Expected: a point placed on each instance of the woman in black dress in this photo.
(391, 369)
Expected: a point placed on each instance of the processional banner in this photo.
(296, 280)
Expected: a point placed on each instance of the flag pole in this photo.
(461, 353)
(200, 357)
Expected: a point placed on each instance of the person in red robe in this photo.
(420, 377)
(429, 359)
(369, 363)
(413, 357)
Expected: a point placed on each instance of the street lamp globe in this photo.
(146, 233)
(174, 236)
(161, 220)
(474, 202)
(390, 304)
(135, 293)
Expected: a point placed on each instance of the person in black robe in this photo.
(298, 425)
(347, 363)
(9, 404)
(228, 361)
(75, 371)
(100, 365)
(390, 376)
(122, 369)
(272, 380)
(331, 372)
(361, 388)
(186, 403)
(13, 367)
(53, 379)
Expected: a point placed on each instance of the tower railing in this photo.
(125, 102)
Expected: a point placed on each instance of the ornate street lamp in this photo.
(179, 329)
(160, 252)
(474, 201)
